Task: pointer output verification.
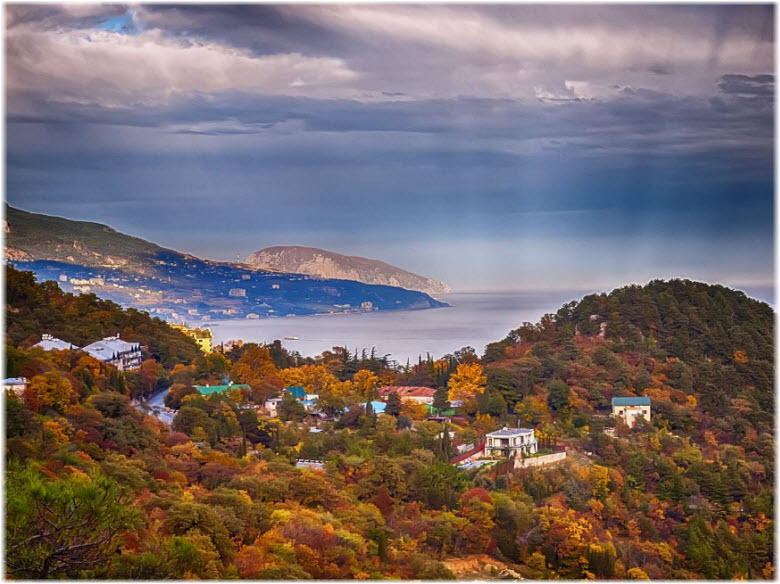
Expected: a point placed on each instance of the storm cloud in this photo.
(431, 136)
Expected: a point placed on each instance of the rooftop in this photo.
(110, 347)
(630, 401)
(15, 381)
(209, 389)
(404, 391)
(50, 343)
(511, 432)
(297, 391)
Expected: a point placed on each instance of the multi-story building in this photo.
(204, 337)
(114, 351)
(629, 409)
(509, 441)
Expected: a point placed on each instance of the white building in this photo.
(114, 351)
(629, 409)
(50, 343)
(271, 404)
(15, 384)
(511, 441)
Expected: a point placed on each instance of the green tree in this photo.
(290, 408)
(62, 527)
(393, 407)
(440, 401)
(557, 394)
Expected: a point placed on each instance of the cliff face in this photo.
(327, 264)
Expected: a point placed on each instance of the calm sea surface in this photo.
(473, 319)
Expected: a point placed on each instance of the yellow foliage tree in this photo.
(467, 381)
(365, 382)
(315, 379)
(637, 574)
(52, 390)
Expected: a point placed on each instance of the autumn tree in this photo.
(256, 367)
(467, 381)
(315, 379)
(365, 383)
(50, 390)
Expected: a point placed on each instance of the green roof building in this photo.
(209, 389)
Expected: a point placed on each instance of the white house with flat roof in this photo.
(114, 351)
(15, 384)
(271, 404)
(629, 409)
(50, 343)
(512, 441)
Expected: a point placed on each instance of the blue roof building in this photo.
(297, 391)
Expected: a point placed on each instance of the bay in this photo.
(473, 319)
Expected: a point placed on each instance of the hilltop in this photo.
(328, 264)
(32, 236)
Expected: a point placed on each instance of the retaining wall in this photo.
(539, 460)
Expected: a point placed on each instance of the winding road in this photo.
(155, 406)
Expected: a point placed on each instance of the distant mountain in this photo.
(328, 264)
(90, 257)
(31, 236)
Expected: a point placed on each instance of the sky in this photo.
(501, 147)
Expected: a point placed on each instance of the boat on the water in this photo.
(292, 338)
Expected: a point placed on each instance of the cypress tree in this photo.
(393, 407)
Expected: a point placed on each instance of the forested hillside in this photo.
(33, 309)
(97, 489)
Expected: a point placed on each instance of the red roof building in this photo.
(423, 395)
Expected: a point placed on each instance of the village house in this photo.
(629, 409)
(15, 384)
(271, 404)
(511, 441)
(421, 395)
(50, 343)
(114, 351)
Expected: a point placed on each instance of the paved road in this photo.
(156, 407)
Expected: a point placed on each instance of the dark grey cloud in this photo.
(756, 85)
(466, 127)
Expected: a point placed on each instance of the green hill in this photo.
(42, 237)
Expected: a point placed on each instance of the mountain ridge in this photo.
(92, 257)
(328, 264)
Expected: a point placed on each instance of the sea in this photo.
(473, 320)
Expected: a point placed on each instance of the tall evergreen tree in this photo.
(440, 401)
(393, 407)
